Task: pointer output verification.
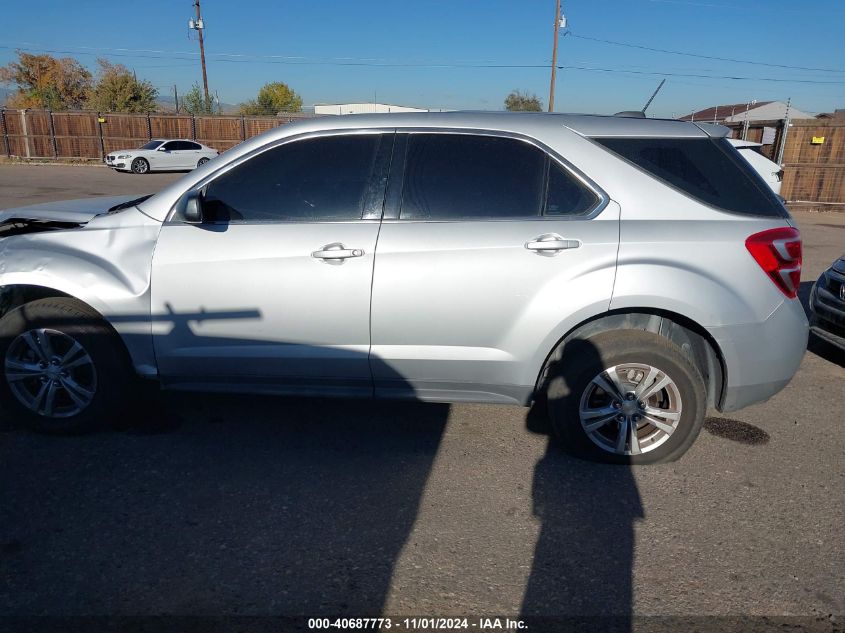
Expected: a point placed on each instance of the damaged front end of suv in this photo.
(96, 250)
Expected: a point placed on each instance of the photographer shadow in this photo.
(237, 504)
(583, 560)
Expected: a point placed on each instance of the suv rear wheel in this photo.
(628, 397)
(64, 369)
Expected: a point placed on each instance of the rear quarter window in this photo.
(709, 170)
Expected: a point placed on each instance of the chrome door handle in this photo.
(336, 252)
(551, 244)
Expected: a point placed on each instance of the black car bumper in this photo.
(827, 302)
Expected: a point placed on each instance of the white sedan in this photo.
(161, 155)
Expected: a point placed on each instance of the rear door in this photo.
(487, 244)
(191, 153)
(167, 156)
(185, 154)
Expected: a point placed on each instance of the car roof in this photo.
(591, 125)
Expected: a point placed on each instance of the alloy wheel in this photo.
(50, 373)
(630, 409)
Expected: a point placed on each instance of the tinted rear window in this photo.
(710, 171)
(469, 177)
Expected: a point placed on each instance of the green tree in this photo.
(44, 81)
(272, 98)
(518, 101)
(118, 90)
(195, 102)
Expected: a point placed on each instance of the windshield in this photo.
(151, 145)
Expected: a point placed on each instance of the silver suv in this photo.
(627, 274)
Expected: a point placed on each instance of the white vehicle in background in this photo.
(161, 155)
(770, 171)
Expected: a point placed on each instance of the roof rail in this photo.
(634, 114)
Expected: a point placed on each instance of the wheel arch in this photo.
(13, 296)
(693, 340)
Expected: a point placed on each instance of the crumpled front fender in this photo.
(106, 264)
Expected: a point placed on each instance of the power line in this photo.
(306, 62)
(662, 74)
(711, 57)
(164, 54)
(297, 60)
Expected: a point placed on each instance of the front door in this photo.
(273, 288)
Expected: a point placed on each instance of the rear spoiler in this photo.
(713, 130)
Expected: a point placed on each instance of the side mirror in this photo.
(161, 148)
(193, 209)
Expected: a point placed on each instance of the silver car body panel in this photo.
(449, 311)
(465, 307)
(105, 264)
(251, 302)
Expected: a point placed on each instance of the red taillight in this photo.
(778, 251)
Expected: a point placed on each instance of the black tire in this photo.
(584, 359)
(112, 371)
(202, 161)
(140, 166)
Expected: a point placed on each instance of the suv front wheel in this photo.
(627, 397)
(64, 369)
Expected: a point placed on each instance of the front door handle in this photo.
(551, 244)
(336, 253)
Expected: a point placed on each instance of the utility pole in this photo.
(784, 132)
(198, 26)
(554, 58)
(745, 123)
(176, 98)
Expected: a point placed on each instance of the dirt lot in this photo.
(233, 506)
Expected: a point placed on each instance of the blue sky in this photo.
(247, 41)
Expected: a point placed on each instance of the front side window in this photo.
(309, 180)
(466, 177)
(171, 146)
(150, 145)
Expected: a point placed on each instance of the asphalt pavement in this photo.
(224, 505)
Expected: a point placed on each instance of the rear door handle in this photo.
(551, 244)
(336, 253)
